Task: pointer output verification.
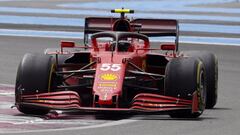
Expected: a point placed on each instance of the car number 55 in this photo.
(112, 67)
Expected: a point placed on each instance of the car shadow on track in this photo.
(222, 108)
(53, 116)
(81, 115)
(168, 118)
(118, 116)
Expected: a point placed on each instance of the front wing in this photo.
(143, 102)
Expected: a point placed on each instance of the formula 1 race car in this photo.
(116, 70)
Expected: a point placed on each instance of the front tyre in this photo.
(34, 76)
(183, 77)
(211, 66)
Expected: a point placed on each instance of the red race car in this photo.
(117, 70)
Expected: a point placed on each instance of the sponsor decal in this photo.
(108, 85)
(105, 96)
(108, 77)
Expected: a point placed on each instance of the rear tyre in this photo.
(183, 77)
(211, 66)
(33, 76)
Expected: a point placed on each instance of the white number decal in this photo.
(116, 67)
(113, 67)
(105, 67)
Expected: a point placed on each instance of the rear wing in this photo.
(148, 27)
(97, 24)
(157, 27)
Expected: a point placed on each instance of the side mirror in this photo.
(168, 47)
(68, 44)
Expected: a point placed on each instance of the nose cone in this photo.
(109, 76)
(105, 99)
(107, 87)
(108, 82)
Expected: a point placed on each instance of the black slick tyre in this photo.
(33, 77)
(183, 77)
(211, 66)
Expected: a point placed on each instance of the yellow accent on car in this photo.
(144, 65)
(50, 76)
(108, 85)
(122, 11)
(198, 72)
(108, 77)
(200, 97)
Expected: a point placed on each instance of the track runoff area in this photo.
(199, 24)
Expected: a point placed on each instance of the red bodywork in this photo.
(144, 102)
(116, 81)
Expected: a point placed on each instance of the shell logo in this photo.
(109, 77)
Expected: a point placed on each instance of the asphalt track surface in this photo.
(223, 119)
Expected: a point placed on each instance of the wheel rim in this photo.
(202, 88)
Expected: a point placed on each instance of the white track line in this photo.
(115, 123)
(7, 85)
